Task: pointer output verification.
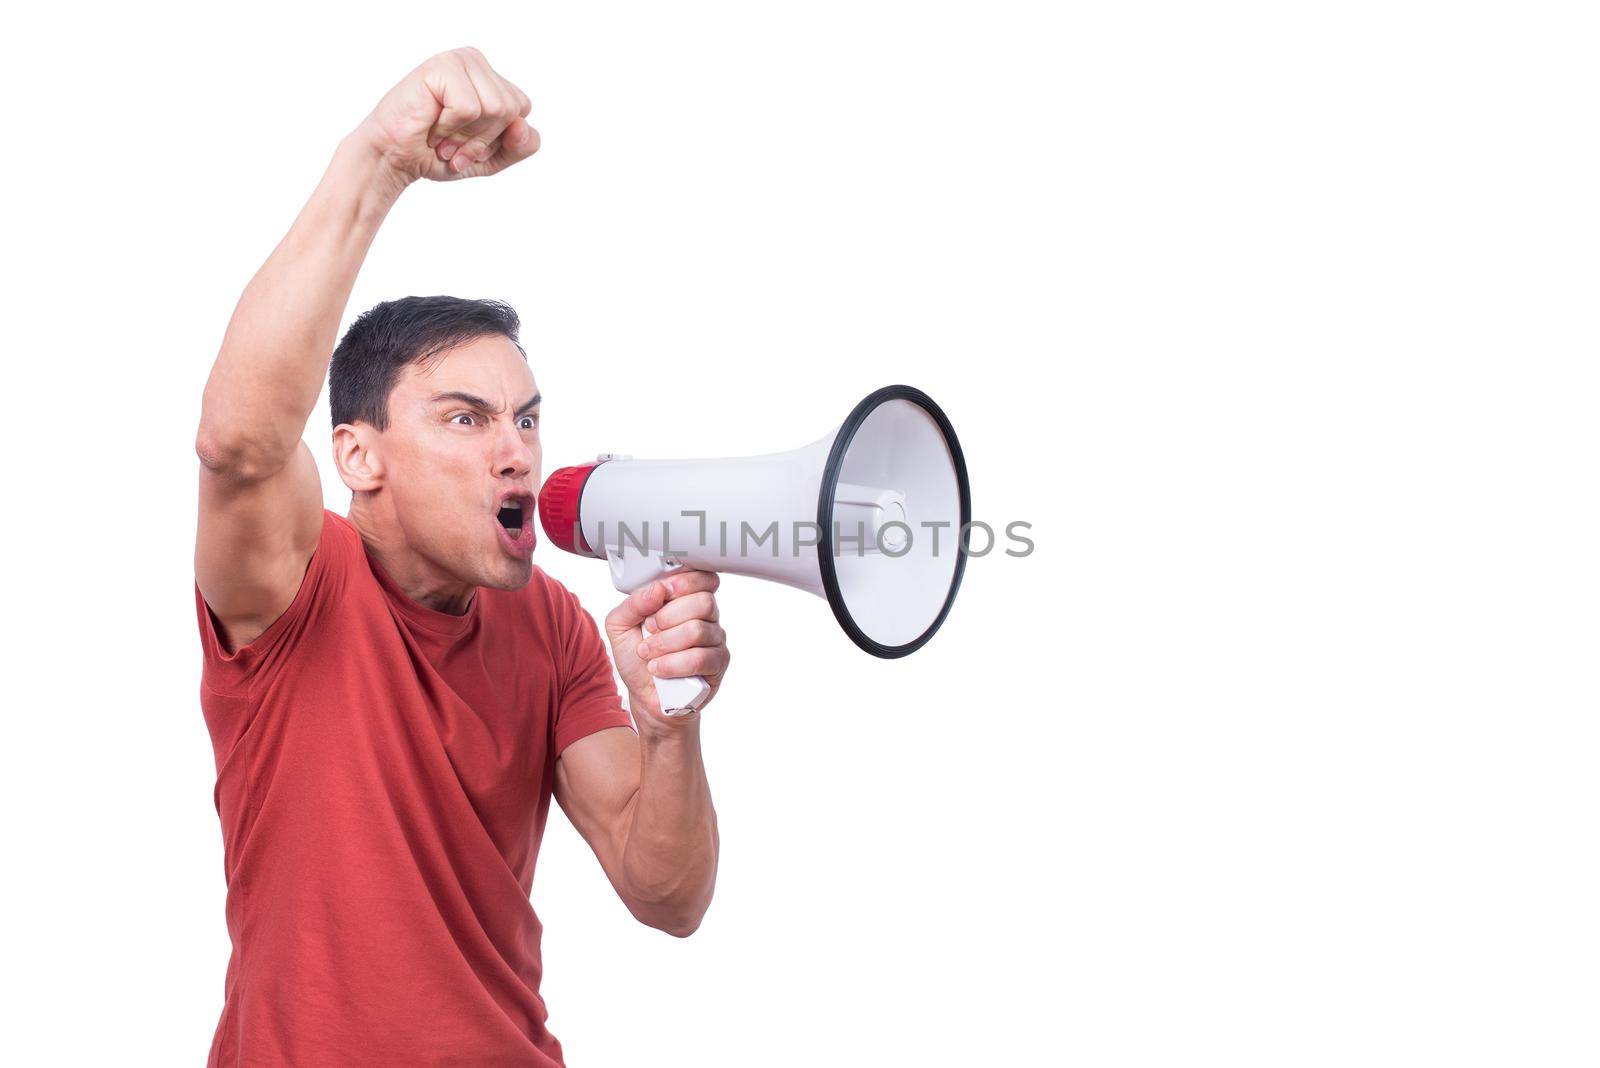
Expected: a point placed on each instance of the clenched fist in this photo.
(452, 117)
(685, 639)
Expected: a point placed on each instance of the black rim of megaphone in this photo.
(830, 485)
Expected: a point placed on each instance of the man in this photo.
(394, 696)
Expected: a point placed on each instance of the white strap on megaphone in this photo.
(634, 570)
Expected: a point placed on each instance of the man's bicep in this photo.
(254, 541)
(597, 779)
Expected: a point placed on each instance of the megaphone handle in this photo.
(634, 571)
(680, 696)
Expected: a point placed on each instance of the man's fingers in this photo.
(477, 107)
(680, 614)
(518, 143)
(692, 581)
(702, 605)
(496, 91)
(708, 663)
(692, 590)
(515, 145)
(452, 117)
(690, 635)
(460, 106)
(500, 103)
(667, 603)
(481, 139)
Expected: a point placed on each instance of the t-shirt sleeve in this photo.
(233, 672)
(589, 699)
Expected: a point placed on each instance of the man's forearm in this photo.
(274, 356)
(670, 859)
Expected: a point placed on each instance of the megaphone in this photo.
(871, 517)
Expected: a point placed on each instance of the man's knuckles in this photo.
(690, 635)
(461, 108)
(702, 605)
(693, 582)
(455, 60)
(473, 92)
(698, 661)
(453, 116)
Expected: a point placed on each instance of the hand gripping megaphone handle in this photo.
(634, 570)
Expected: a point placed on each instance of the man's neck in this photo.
(416, 577)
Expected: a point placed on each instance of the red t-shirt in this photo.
(384, 772)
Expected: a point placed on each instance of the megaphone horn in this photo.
(871, 517)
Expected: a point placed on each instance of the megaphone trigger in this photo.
(635, 569)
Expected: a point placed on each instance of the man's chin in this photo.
(508, 573)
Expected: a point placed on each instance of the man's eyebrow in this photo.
(468, 399)
(531, 402)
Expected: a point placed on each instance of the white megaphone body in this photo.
(872, 517)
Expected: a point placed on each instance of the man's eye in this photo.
(457, 418)
(528, 422)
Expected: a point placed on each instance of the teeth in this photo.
(511, 523)
(510, 515)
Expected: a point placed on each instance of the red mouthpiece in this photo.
(558, 508)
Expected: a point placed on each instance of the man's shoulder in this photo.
(340, 556)
(338, 561)
(340, 528)
(331, 586)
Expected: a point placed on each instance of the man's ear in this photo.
(356, 452)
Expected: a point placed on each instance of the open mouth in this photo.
(515, 518)
(511, 517)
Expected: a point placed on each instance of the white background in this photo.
(1276, 321)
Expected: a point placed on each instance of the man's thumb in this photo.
(517, 143)
(639, 606)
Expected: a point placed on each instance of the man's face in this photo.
(462, 444)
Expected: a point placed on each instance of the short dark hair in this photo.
(397, 333)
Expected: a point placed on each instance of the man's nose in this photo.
(512, 456)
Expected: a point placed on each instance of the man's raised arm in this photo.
(260, 496)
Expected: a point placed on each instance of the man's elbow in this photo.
(671, 892)
(680, 926)
(678, 919)
(238, 458)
